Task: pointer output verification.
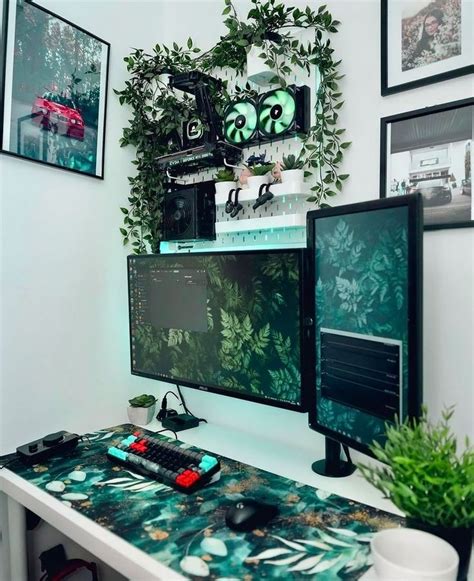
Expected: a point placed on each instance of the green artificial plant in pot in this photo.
(141, 409)
(292, 169)
(260, 174)
(426, 477)
(225, 175)
(224, 181)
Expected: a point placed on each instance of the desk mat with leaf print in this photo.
(316, 534)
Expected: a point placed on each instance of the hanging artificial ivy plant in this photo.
(158, 112)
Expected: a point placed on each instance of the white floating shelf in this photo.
(251, 194)
(282, 221)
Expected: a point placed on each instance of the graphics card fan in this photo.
(178, 215)
(240, 122)
(277, 112)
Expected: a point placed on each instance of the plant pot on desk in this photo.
(141, 415)
(460, 538)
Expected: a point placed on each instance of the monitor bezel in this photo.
(303, 405)
(415, 313)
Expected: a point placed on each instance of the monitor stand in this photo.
(333, 465)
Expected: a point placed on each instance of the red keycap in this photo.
(184, 480)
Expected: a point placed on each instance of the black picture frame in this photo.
(53, 100)
(3, 45)
(429, 131)
(462, 62)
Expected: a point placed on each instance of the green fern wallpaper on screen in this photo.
(250, 343)
(361, 287)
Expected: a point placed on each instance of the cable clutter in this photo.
(171, 420)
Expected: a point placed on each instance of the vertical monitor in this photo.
(365, 287)
(223, 322)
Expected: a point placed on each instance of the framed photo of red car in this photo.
(425, 41)
(55, 90)
(430, 151)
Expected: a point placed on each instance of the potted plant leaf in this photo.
(257, 171)
(141, 409)
(429, 480)
(225, 180)
(292, 169)
(260, 174)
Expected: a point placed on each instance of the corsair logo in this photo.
(195, 129)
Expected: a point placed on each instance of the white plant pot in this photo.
(141, 416)
(223, 188)
(257, 181)
(257, 71)
(292, 175)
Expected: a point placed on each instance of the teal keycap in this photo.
(120, 454)
(207, 462)
(210, 460)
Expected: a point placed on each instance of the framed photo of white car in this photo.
(54, 91)
(430, 151)
(425, 41)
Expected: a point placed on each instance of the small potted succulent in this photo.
(260, 175)
(225, 181)
(292, 169)
(141, 409)
(257, 171)
(428, 480)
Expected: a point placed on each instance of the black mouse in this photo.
(248, 514)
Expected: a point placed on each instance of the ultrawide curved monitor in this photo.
(366, 295)
(228, 323)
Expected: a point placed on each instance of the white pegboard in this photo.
(280, 222)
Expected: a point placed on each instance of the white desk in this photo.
(285, 460)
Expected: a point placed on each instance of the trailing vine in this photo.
(158, 112)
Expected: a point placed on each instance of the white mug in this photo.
(412, 555)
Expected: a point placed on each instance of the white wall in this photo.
(65, 357)
(64, 306)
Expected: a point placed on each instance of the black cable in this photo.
(183, 403)
(186, 407)
(168, 430)
(173, 393)
(84, 437)
(7, 463)
(347, 453)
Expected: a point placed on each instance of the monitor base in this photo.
(333, 466)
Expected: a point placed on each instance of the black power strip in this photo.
(180, 422)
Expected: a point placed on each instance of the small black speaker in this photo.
(190, 213)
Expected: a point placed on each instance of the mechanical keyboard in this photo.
(184, 470)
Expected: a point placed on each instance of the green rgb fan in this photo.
(240, 122)
(277, 112)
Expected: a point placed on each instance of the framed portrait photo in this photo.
(54, 91)
(430, 151)
(425, 41)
